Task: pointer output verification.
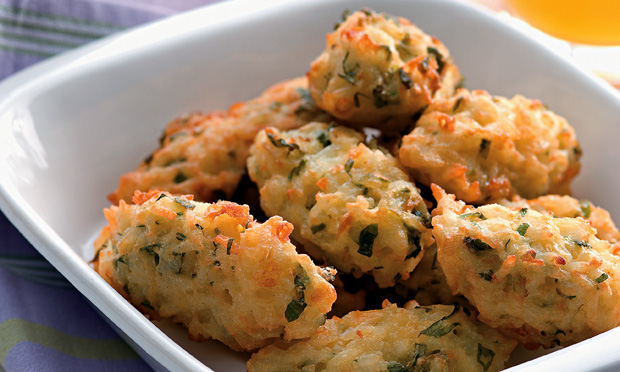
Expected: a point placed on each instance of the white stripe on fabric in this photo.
(62, 24)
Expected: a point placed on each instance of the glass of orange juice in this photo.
(591, 26)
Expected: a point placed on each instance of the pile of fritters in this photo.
(435, 241)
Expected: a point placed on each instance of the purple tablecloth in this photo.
(45, 323)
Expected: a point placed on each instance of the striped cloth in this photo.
(45, 323)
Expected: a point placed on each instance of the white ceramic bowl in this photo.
(70, 126)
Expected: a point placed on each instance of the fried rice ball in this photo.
(566, 206)
(352, 205)
(541, 279)
(212, 268)
(434, 338)
(379, 71)
(204, 154)
(483, 148)
(427, 284)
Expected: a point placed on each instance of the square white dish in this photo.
(70, 126)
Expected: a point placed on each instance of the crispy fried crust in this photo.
(204, 154)
(566, 206)
(351, 205)
(435, 338)
(427, 284)
(483, 148)
(544, 280)
(376, 68)
(212, 268)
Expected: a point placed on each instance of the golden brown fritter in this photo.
(376, 67)
(543, 280)
(351, 204)
(566, 206)
(427, 284)
(214, 269)
(434, 338)
(204, 154)
(483, 148)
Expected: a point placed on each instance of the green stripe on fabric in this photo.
(37, 27)
(36, 53)
(16, 330)
(50, 16)
(37, 40)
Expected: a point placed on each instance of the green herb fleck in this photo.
(301, 279)
(586, 209)
(602, 278)
(181, 237)
(150, 250)
(485, 146)
(438, 57)
(348, 166)
(180, 177)
(485, 356)
(476, 245)
(380, 96)
(282, 143)
(324, 139)
(396, 367)
(356, 98)
(294, 309)
(413, 238)
(297, 304)
(178, 261)
(275, 105)
(345, 14)
(186, 204)
(418, 352)
(229, 245)
(438, 329)
(148, 159)
(147, 304)
(488, 276)
(471, 215)
(295, 171)
(121, 259)
(388, 51)
(522, 212)
(307, 103)
(523, 228)
(405, 79)
(161, 196)
(176, 135)
(316, 228)
(367, 238)
(582, 244)
(457, 103)
(348, 75)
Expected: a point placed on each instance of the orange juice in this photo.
(595, 22)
